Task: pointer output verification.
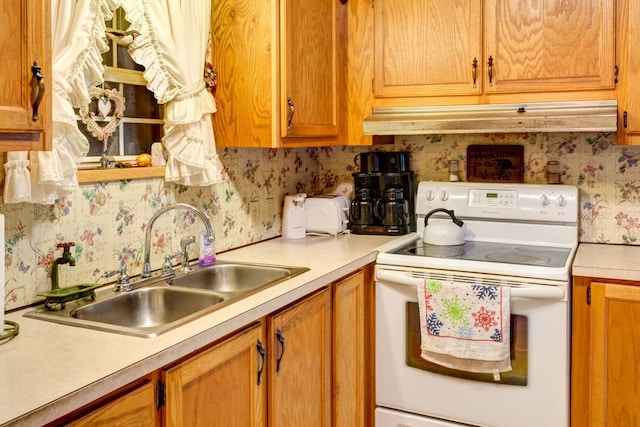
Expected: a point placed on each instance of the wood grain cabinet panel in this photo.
(25, 41)
(221, 386)
(299, 343)
(605, 353)
(281, 72)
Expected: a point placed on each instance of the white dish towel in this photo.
(465, 326)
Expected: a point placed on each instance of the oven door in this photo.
(535, 393)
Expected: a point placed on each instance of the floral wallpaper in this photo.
(107, 221)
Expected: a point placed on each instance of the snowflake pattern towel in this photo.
(465, 326)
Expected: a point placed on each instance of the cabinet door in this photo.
(23, 41)
(312, 61)
(299, 343)
(350, 368)
(223, 386)
(629, 62)
(549, 45)
(615, 354)
(134, 408)
(425, 48)
(243, 49)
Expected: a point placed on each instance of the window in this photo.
(142, 123)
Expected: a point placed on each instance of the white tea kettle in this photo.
(443, 233)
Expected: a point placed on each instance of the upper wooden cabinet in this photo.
(425, 48)
(436, 48)
(25, 75)
(549, 46)
(629, 63)
(281, 72)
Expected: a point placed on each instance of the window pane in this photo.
(95, 146)
(140, 102)
(139, 137)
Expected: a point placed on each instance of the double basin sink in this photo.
(162, 304)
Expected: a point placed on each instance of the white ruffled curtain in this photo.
(78, 40)
(172, 46)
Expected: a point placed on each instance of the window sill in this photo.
(119, 174)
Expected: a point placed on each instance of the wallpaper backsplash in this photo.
(107, 221)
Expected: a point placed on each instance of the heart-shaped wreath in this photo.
(108, 100)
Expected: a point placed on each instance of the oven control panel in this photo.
(493, 198)
(528, 202)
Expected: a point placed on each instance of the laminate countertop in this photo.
(621, 262)
(48, 370)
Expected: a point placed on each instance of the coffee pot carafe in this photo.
(362, 207)
(392, 209)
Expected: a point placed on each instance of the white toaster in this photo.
(327, 214)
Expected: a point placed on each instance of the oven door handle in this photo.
(533, 292)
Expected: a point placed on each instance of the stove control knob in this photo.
(543, 200)
(561, 201)
(430, 196)
(444, 196)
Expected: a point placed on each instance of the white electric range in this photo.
(522, 236)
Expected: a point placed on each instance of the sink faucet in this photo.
(146, 269)
(66, 258)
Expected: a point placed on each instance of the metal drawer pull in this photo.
(263, 357)
(292, 111)
(280, 339)
(490, 71)
(474, 71)
(37, 88)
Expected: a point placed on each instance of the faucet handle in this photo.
(167, 267)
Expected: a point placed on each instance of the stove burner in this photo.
(437, 251)
(518, 258)
(504, 253)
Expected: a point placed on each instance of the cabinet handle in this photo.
(263, 357)
(292, 111)
(344, 1)
(474, 71)
(280, 339)
(490, 70)
(37, 88)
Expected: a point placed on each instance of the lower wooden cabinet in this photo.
(134, 406)
(223, 386)
(308, 364)
(605, 353)
(300, 363)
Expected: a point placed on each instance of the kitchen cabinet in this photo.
(605, 353)
(352, 349)
(462, 51)
(133, 405)
(309, 363)
(281, 72)
(427, 48)
(629, 68)
(222, 386)
(25, 75)
(299, 360)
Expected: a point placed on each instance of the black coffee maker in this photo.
(384, 201)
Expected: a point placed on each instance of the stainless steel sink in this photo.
(158, 305)
(234, 278)
(147, 308)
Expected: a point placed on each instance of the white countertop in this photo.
(50, 369)
(621, 262)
